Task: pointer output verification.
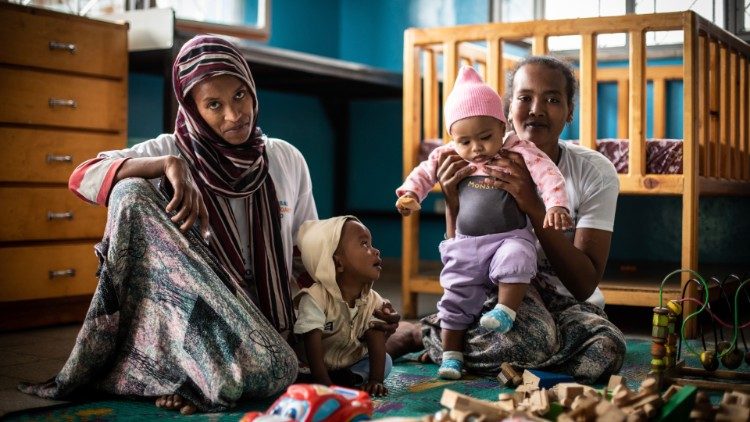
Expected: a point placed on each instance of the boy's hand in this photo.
(407, 203)
(558, 218)
(375, 388)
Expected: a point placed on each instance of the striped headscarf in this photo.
(224, 171)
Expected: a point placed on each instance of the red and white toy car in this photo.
(316, 403)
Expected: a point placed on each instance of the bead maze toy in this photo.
(668, 368)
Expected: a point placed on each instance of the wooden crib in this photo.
(716, 131)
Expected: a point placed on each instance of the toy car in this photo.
(316, 403)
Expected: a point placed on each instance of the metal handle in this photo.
(56, 45)
(59, 102)
(70, 272)
(67, 215)
(51, 158)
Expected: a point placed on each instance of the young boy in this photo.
(494, 245)
(335, 313)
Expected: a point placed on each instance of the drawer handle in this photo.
(59, 102)
(70, 272)
(67, 215)
(51, 158)
(55, 45)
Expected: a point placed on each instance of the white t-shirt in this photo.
(592, 185)
(287, 168)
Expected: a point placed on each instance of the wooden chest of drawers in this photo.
(63, 80)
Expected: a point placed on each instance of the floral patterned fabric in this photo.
(551, 332)
(166, 319)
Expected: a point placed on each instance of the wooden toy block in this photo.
(736, 397)
(702, 409)
(608, 412)
(508, 376)
(462, 407)
(679, 404)
(733, 412)
(529, 379)
(671, 391)
(507, 402)
(583, 408)
(539, 402)
(649, 385)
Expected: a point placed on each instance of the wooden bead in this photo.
(732, 360)
(674, 307)
(660, 317)
(709, 361)
(658, 350)
(659, 332)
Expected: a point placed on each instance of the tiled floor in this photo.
(36, 355)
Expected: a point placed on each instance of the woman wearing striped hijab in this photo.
(193, 305)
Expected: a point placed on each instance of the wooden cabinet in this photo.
(63, 80)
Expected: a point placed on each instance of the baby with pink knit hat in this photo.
(494, 246)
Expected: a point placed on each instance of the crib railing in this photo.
(716, 149)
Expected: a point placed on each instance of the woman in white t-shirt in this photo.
(194, 301)
(561, 324)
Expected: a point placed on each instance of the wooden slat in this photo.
(614, 74)
(724, 112)
(734, 118)
(517, 31)
(660, 108)
(744, 114)
(412, 109)
(714, 152)
(637, 135)
(703, 104)
(450, 71)
(689, 248)
(539, 45)
(495, 76)
(430, 96)
(622, 108)
(588, 90)
(651, 184)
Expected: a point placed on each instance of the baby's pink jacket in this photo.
(549, 181)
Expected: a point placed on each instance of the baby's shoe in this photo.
(453, 363)
(500, 319)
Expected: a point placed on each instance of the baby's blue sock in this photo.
(500, 319)
(453, 363)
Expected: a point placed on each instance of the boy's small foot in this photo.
(497, 320)
(176, 402)
(451, 369)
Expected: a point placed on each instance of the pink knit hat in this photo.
(471, 97)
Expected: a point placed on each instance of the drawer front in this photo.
(49, 156)
(48, 99)
(61, 42)
(47, 271)
(48, 214)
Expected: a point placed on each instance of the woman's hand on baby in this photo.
(558, 218)
(375, 388)
(509, 172)
(187, 200)
(451, 170)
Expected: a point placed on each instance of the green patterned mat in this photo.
(414, 390)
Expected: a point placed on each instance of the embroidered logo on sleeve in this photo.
(328, 326)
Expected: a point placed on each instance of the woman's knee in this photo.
(132, 190)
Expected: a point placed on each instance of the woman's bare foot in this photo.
(406, 339)
(176, 402)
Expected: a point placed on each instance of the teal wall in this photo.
(371, 32)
